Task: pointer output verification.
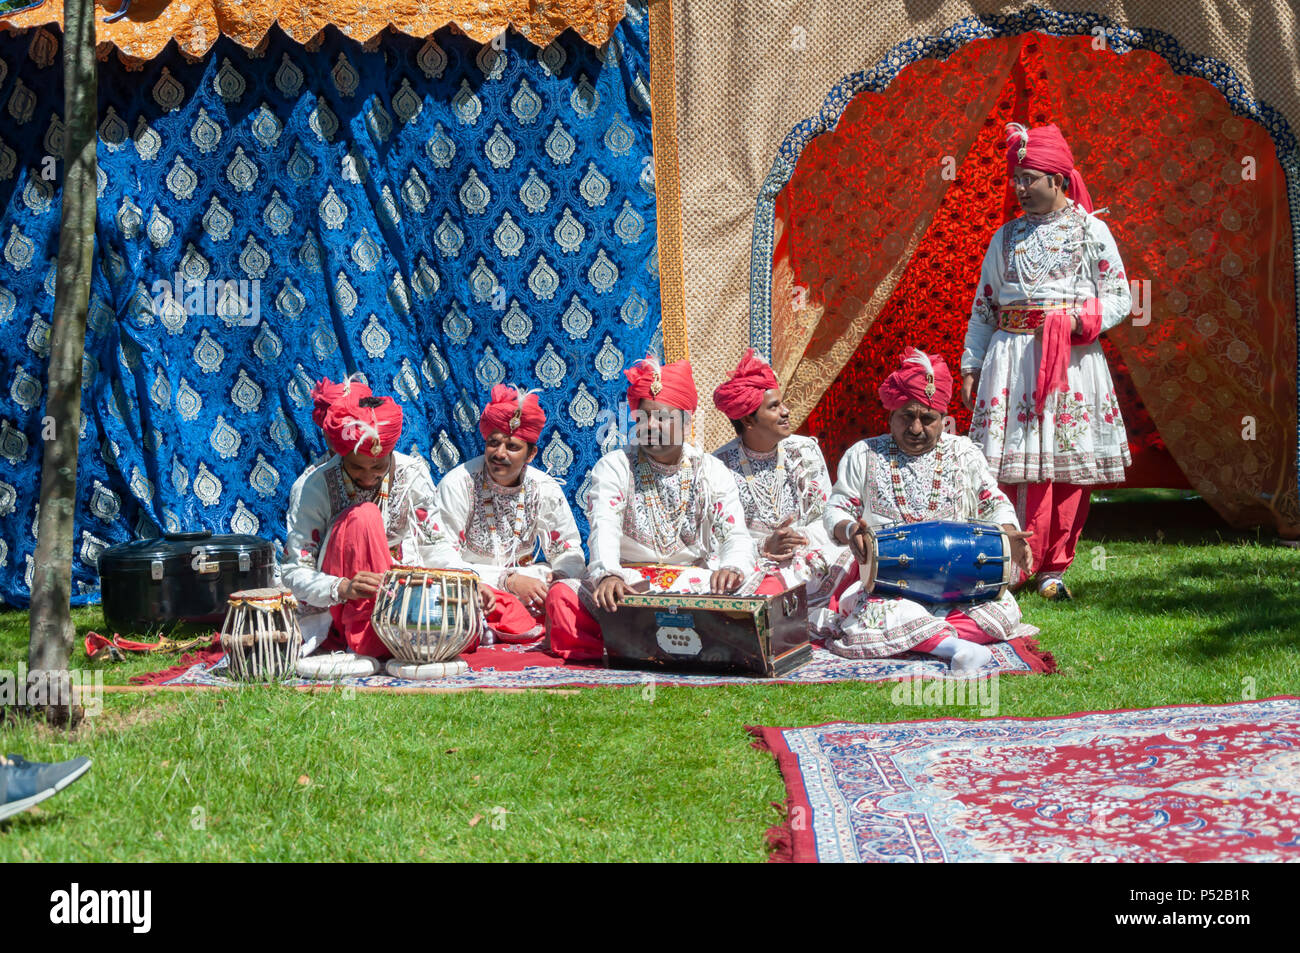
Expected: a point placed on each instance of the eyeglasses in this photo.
(1025, 181)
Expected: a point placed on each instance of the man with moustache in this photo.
(499, 511)
(1044, 409)
(664, 516)
(917, 473)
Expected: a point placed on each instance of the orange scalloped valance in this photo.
(149, 25)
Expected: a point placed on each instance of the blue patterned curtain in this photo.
(438, 215)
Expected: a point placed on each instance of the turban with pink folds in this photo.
(742, 393)
(514, 413)
(921, 376)
(353, 427)
(671, 384)
(327, 392)
(1044, 149)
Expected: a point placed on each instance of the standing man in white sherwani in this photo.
(1044, 409)
(502, 513)
(664, 516)
(917, 473)
(783, 485)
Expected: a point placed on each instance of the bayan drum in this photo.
(427, 617)
(764, 636)
(939, 561)
(260, 635)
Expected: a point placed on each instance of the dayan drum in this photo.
(260, 634)
(427, 617)
(939, 562)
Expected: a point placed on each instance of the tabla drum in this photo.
(939, 562)
(427, 617)
(260, 635)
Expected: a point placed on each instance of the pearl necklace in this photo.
(665, 527)
(773, 493)
(1035, 259)
(487, 500)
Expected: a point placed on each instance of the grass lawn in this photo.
(1172, 608)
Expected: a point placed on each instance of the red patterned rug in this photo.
(1190, 783)
(527, 666)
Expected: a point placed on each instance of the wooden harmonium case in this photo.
(762, 636)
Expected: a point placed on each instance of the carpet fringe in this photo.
(780, 838)
(1047, 659)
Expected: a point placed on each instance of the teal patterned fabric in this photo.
(435, 214)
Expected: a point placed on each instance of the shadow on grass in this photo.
(1229, 608)
(1173, 521)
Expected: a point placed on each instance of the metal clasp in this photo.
(245, 561)
(156, 569)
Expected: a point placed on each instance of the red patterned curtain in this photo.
(1196, 200)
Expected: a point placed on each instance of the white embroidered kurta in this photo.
(951, 482)
(791, 481)
(1039, 262)
(498, 529)
(411, 521)
(688, 514)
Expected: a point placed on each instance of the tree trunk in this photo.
(51, 620)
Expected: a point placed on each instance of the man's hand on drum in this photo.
(784, 541)
(609, 591)
(529, 590)
(970, 384)
(857, 535)
(726, 580)
(364, 585)
(487, 599)
(1021, 554)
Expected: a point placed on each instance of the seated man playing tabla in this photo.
(916, 473)
(356, 515)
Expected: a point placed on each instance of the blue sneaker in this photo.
(24, 783)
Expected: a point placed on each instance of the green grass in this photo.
(1198, 614)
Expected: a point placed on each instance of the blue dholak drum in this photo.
(939, 562)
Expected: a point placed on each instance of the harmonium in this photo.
(760, 636)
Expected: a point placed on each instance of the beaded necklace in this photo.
(665, 527)
(487, 500)
(1043, 248)
(773, 493)
(896, 481)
